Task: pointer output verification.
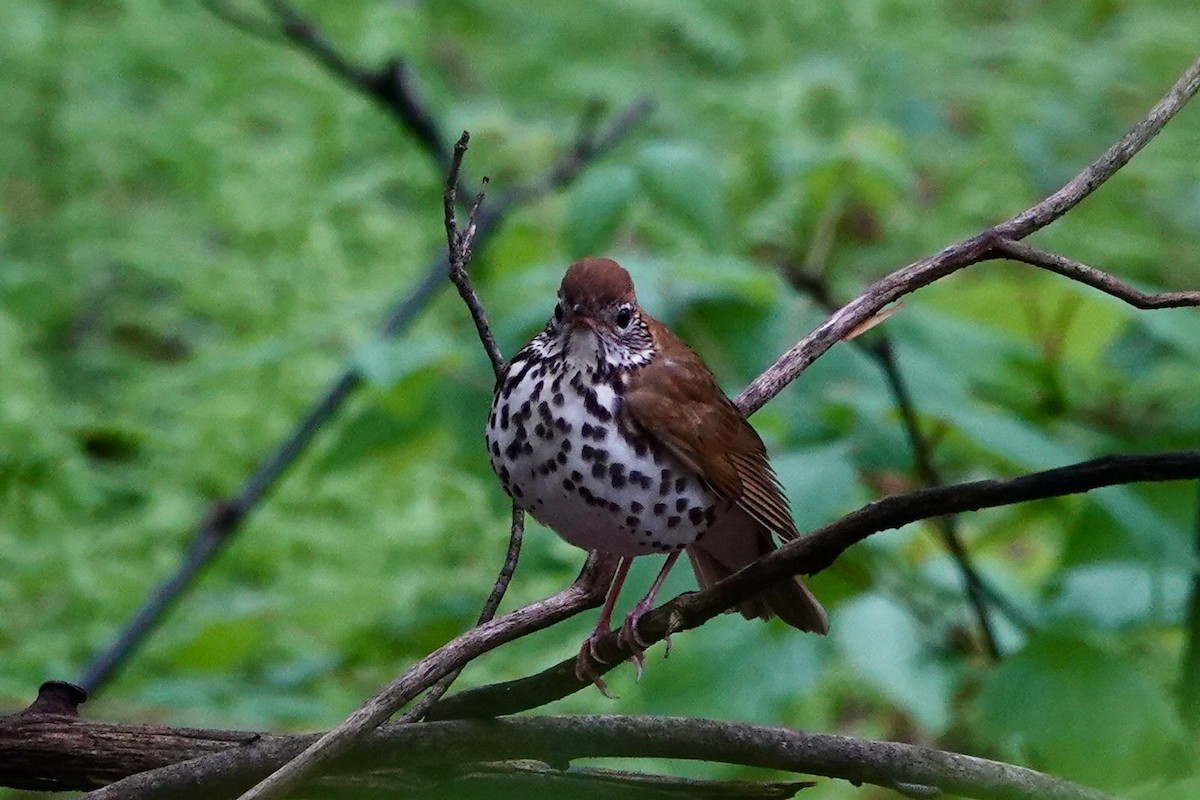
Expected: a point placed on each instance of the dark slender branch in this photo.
(1097, 279)
(217, 764)
(1189, 678)
(224, 518)
(879, 348)
(391, 85)
(966, 252)
(813, 553)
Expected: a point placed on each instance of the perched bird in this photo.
(611, 431)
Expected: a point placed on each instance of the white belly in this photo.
(562, 457)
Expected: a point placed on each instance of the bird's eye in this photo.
(558, 312)
(624, 317)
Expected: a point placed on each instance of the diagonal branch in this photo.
(979, 592)
(394, 88)
(587, 592)
(814, 552)
(968, 251)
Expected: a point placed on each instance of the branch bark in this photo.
(186, 763)
(968, 251)
(811, 554)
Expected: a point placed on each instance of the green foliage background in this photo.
(197, 230)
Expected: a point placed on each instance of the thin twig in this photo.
(458, 245)
(812, 553)
(1097, 279)
(418, 710)
(966, 252)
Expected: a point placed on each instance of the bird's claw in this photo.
(588, 656)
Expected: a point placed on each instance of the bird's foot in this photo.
(588, 657)
(631, 639)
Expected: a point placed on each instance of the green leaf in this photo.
(386, 362)
(1067, 707)
(595, 208)
(1122, 593)
(684, 182)
(883, 642)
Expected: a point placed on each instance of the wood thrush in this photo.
(610, 430)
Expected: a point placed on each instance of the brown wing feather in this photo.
(676, 401)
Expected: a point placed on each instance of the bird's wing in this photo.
(676, 403)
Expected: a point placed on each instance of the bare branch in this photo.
(587, 592)
(458, 245)
(1097, 279)
(979, 593)
(966, 252)
(516, 532)
(814, 552)
(223, 762)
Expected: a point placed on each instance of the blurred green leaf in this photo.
(683, 181)
(595, 207)
(883, 642)
(1080, 712)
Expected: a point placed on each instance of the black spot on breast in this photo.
(516, 491)
(504, 476)
(598, 470)
(568, 484)
(540, 430)
(537, 388)
(632, 521)
(586, 452)
(562, 424)
(565, 446)
(575, 476)
(601, 455)
(636, 507)
(695, 515)
(527, 448)
(681, 504)
(614, 506)
(640, 479)
(660, 509)
(513, 449)
(558, 399)
(599, 433)
(544, 411)
(504, 417)
(495, 448)
(673, 520)
(561, 458)
(585, 430)
(680, 484)
(640, 448)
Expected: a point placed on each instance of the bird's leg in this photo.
(629, 634)
(587, 652)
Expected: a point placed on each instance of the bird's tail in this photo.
(716, 557)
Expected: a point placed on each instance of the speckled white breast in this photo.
(554, 441)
